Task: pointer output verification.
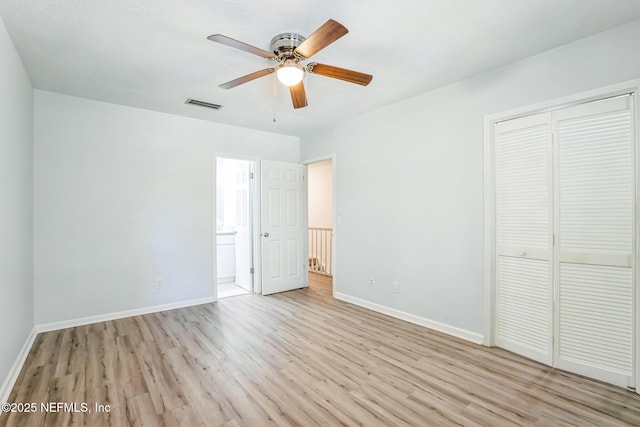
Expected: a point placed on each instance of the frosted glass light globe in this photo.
(290, 74)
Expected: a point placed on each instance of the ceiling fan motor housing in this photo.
(283, 45)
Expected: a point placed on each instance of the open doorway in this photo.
(234, 227)
(321, 251)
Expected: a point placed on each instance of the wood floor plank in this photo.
(297, 358)
(139, 412)
(344, 402)
(111, 415)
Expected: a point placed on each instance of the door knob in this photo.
(266, 234)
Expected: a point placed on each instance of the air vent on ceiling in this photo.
(203, 104)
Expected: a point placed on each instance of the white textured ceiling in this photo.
(154, 54)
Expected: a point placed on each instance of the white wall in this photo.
(409, 180)
(123, 196)
(320, 194)
(16, 207)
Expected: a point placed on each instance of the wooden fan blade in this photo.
(329, 32)
(340, 73)
(298, 95)
(247, 78)
(228, 41)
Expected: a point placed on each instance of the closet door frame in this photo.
(489, 279)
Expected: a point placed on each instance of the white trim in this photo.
(214, 231)
(10, 381)
(564, 102)
(257, 220)
(421, 321)
(120, 314)
(636, 147)
(318, 159)
(489, 220)
(334, 218)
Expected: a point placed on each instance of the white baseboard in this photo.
(422, 321)
(7, 386)
(46, 327)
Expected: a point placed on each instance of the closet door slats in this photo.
(565, 246)
(595, 227)
(523, 248)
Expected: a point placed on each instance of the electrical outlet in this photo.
(159, 283)
(396, 287)
(371, 281)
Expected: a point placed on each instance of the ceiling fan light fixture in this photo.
(290, 74)
(288, 50)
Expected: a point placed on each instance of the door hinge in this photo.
(252, 270)
(250, 175)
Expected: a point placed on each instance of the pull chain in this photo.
(275, 95)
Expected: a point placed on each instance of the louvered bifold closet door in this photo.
(595, 251)
(524, 189)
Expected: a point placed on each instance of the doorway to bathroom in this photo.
(235, 201)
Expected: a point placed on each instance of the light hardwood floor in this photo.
(298, 358)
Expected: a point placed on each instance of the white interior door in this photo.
(595, 260)
(283, 227)
(524, 189)
(244, 235)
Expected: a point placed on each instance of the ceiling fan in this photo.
(290, 50)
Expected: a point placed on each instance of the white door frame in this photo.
(257, 265)
(334, 215)
(489, 196)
